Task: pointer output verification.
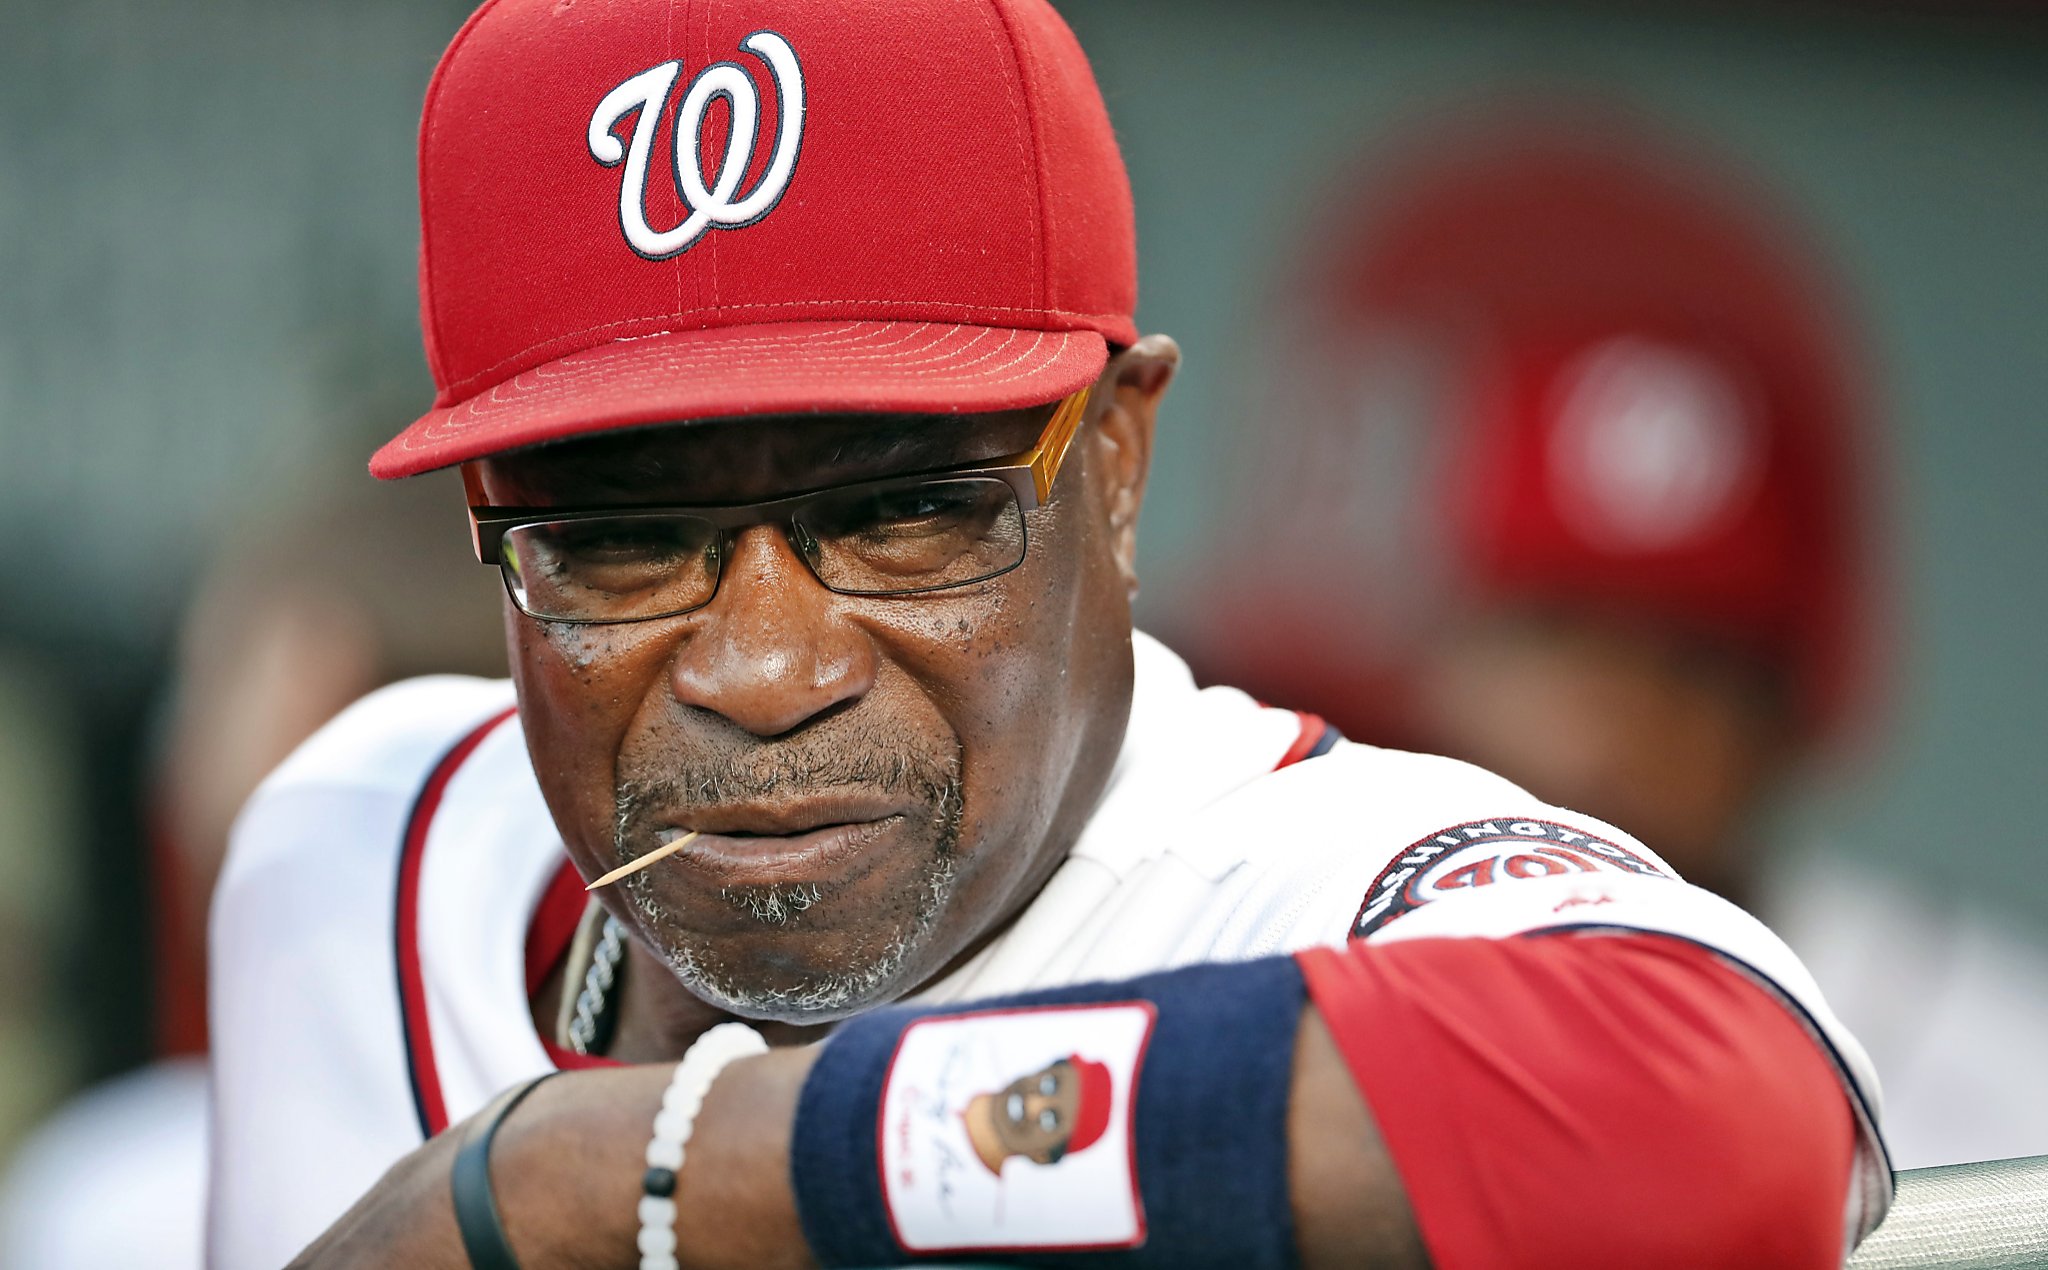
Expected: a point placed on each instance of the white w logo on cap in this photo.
(715, 206)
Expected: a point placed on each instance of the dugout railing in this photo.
(1986, 1216)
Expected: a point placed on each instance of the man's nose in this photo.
(773, 649)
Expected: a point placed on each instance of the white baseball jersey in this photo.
(397, 888)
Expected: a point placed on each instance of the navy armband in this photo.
(1134, 1124)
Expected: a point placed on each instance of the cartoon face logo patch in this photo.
(1060, 1108)
(714, 199)
(1482, 853)
(1012, 1129)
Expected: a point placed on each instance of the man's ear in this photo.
(1127, 406)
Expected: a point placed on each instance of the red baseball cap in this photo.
(638, 212)
(1092, 1100)
(1657, 471)
(1616, 377)
(1661, 410)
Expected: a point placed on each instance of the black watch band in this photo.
(476, 1209)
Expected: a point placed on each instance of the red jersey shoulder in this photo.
(1483, 853)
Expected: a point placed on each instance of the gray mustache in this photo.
(780, 772)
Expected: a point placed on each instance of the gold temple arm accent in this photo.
(1044, 459)
(473, 494)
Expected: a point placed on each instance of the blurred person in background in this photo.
(287, 627)
(1638, 577)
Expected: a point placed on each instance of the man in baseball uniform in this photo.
(1625, 464)
(787, 350)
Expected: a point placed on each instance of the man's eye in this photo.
(1048, 1084)
(650, 544)
(615, 542)
(931, 508)
(618, 556)
(1049, 1120)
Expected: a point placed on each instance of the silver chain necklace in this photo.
(587, 1026)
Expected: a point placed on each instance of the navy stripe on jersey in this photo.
(425, 1079)
(1316, 739)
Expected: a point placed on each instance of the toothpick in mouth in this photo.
(632, 867)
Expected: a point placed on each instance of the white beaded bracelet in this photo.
(684, 1097)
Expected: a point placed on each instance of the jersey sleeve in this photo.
(1613, 1101)
(1385, 847)
(310, 1095)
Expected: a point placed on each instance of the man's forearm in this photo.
(1349, 1209)
(568, 1171)
(1504, 1072)
(567, 1167)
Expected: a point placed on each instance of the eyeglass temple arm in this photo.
(1044, 459)
(473, 495)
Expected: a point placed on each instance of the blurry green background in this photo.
(207, 310)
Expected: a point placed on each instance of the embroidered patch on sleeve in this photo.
(1010, 1130)
(1484, 852)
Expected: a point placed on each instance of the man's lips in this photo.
(760, 847)
(779, 819)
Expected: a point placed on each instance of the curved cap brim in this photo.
(780, 368)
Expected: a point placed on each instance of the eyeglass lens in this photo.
(881, 539)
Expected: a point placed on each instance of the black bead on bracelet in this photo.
(476, 1208)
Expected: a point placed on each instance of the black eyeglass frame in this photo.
(1029, 474)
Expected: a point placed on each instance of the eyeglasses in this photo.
(901, 535)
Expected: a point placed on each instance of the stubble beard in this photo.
(697, 963)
